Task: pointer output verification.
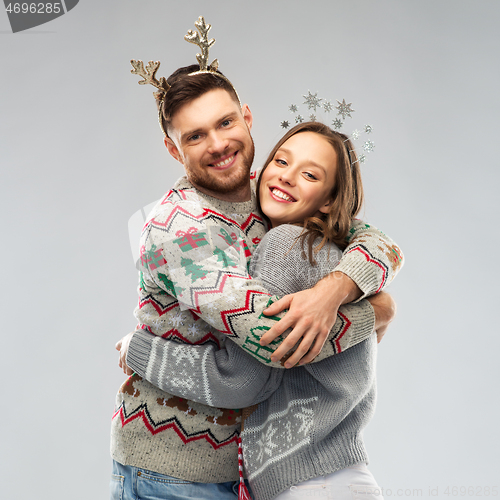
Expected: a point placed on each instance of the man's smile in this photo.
(225, 162)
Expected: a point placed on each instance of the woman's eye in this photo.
(310, 176)
(280, 162)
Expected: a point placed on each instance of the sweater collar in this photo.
(228, 207)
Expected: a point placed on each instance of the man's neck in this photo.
(237, 196)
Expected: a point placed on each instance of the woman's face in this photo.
(299, 180)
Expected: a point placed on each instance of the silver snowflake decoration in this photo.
(327, 106)
(355, 135)
(312, 117)
(285, 124)
(344, 109)
(368, 146)
(362, 159)
(293, 108)
(368, 129)
(312, 100)
(337, 124)
(299, 119)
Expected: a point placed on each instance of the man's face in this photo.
(211, 137)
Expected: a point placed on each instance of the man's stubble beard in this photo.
(220, 183)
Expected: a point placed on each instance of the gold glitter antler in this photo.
(204, 44)
(149, 75)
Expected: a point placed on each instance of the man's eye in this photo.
(226, 123)
(194, 137)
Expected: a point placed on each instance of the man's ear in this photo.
(173, 150)
(247, 116)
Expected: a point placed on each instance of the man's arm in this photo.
(368, 264)
(195, 259)
(211, 281)
(228, 377)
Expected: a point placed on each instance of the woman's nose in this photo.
(286, 176)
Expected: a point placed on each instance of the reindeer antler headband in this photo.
(199, 38)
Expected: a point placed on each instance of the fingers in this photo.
(308, 349)
(289, 344)
(301, 350)
(127, 370)
(311, 340)
(123, 365)
(280, 305)
(315, 349)
(122, 359)
(278, 329)
(290, 341)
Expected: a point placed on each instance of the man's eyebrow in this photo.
(310, 162)
(229, 115)
(191, 132)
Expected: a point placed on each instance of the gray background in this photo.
(81, 152)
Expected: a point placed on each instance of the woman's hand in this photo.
(311, 315)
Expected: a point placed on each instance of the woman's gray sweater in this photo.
(311, 418)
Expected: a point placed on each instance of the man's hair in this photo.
(184, 89)
(347, 193)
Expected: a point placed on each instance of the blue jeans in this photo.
(132, 483)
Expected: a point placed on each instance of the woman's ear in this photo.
(326, 207)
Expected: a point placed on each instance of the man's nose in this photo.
(217, 143)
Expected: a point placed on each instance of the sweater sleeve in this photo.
(224, 378)
(203, 266)
(371, 259)
(283, 268)
(197, 258)
(229, 377)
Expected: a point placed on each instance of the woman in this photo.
(305, 436)
(314, 421)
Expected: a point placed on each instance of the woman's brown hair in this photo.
(347, 193)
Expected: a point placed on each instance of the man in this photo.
(195, 288)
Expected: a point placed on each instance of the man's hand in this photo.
(385, 311)
(311, 315)
(122, 346)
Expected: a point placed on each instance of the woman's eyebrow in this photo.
(310, 162)
(285, 150)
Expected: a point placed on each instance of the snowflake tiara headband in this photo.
(199, 38)
(344, 110)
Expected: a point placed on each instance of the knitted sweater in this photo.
(195, 289)
(311, 419)
(312, 425)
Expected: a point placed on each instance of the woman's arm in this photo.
(228, 377)
(369, 263)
